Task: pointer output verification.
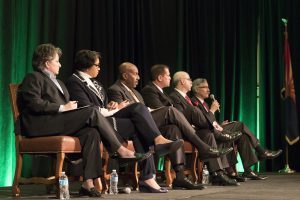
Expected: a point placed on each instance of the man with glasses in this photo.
(155, 97)
(245, 144)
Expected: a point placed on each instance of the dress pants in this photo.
(170, 115)
(214, 164)
(245, 145)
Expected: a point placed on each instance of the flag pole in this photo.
(286, 169)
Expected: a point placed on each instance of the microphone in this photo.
(212, 96)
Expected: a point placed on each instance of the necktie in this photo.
(133, 95)
(205, 106)
(188, 99)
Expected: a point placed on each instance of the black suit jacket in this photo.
(154, 98)
(84, 94)
(209, 115)
(117, 92)
(38, 100)
(193, 114)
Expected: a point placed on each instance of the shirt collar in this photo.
(201, 100)
(50, 74)
(181, 93)
(127, 88)
(159, 88)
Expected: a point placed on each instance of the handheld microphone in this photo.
(212, 96)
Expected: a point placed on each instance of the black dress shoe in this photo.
(214, 153)
(229, 137)
(137, 157)
(269, 154)
(91, 193)
(253, 176)
(164, 149)
(185, 183)
(237, 177)
(219, 178)
(144, 187)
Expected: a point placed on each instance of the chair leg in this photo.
(168, 175)
(136, 176)
(194, 166)
(98, 184)
(200, 170)
(60, 157)
(15, 187)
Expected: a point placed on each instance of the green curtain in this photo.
(236, 45)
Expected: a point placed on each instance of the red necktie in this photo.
(205, 105)
(188, 99)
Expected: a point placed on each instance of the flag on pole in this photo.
(291, 118)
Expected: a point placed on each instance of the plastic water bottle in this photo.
(205, 176)
(63, 186)
(113, 188)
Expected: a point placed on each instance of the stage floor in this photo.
(276, 187)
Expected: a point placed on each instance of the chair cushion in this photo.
(50, 144)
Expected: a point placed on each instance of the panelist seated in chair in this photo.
(45, 110)
(124, 88)
(156, 97)
(245, 144)
(131, 121)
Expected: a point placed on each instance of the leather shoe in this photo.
(164, 149)
(253, 176)
(219, 178)
(269, 154)
(144, 187)
(91, 193)
(137, 157)
(214, 153)
(229, 137)
(237, 177)
(185, 183)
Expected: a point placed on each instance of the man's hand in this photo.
(214, 106)
(123, 104)
(224, 123)
(112, 105)
(71, 105)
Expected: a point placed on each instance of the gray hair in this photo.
(178, 76)
(196, 83)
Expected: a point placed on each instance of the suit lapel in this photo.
(163, 95)
(64, 94)
(92, 89)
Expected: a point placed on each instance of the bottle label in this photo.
(114, 179)
(63, 182)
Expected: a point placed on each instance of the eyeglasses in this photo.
(203, 87)
(97, 65)
(189, 79)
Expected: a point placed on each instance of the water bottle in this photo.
(63, 186)
(205, 176)
(113, 188)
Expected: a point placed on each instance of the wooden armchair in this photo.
(50, 145)
(196, 165)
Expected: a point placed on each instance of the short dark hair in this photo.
(84, 59)
(157, 70)
(42, 54)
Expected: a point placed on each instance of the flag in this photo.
(291, 118)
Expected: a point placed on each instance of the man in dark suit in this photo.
(131, 121)
(245, 144)
(155, 97)
(45, 110)
(124, 89)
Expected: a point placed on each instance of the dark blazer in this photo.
(84, 94)
(38, 100)
(210, 116)
(154, 98)
(193, 114)
(117, 92)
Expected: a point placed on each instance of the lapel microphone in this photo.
(212, 96)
